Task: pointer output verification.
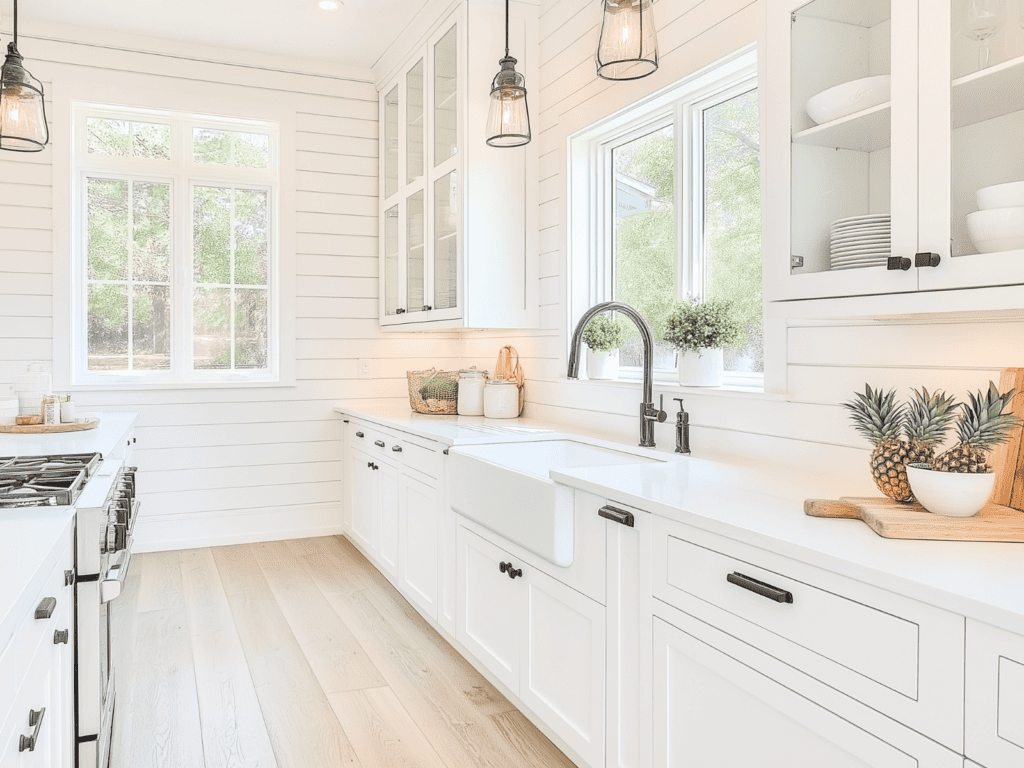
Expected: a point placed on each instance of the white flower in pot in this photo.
(604, 336)
(701, 331)
(959, 482)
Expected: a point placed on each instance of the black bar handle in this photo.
(46, 608)
(619, 516)
(898, 262)
(927, 260)
(360, 434)
(396, 448)
(379, 443)
(760, 588)
(35, 719)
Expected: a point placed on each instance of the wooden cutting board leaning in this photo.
(1000, 520)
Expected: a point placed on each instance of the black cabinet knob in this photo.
(511, 571)
(379, 443)
(927, 260)
(427, 307)
(360, 434)
(61, 636)
(369, 464)
(399, 311)
(396, 448)
(898, 263)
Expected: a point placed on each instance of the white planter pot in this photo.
(950, 494)
(603, 365)
(701, 369)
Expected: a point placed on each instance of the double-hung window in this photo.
(174, 247)
(666, 207)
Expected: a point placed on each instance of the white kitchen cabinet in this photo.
(712, 710)
(948, 130)
(994, 716)
(543, 640)
(418, 542)
(364, 492)
(457, 217)
(388, 512)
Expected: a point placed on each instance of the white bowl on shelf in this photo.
(950, 494)
(848, 98)
(1001, 196)
(1001, 229)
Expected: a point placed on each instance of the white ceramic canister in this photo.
(8, 410)
(501, 399)
(31, 387)
(471, 392)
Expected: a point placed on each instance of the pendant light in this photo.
(628, 46)
(508, 119)
(23, 125)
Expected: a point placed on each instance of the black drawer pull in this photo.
(927, 259)
(35, 720)
(617, 516)
(61, 636)
(396, 448)
(360, 434)
(898, 263)
(510, 570)
(760, 588)
(46, 608)
(379, 443)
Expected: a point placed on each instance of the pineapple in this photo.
(982, 426)
(878, 417)
(927, 422)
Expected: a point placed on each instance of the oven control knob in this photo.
(113, 539)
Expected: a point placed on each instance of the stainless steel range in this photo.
(103, 494)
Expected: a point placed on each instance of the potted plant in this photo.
(701, 331)
(959, 482)
(604, 336)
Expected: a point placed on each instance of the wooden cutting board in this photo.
(1007, 460)
(893, 520)
(45, 429)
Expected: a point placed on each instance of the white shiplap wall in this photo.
(225, 465)
(825, 364)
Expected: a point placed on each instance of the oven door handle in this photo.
(110, 588)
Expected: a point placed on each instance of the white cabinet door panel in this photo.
(563, 667)
(417, 561)
(995, 696)
(490, 607)
(711, 710)
(363, 501)
(387, 487)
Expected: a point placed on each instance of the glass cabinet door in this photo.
(446, 241)
(446, 96)
(415, 257)
(851, 133)
(414, 128)
(391, 143)
(973, 187)
(392, 278)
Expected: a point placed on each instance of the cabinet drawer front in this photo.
(36, 635)
(416, 457)
(379, 442)
(899, 656)
(995, 696)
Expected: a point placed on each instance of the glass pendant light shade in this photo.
(628, 46)
(23, 125)
(508, 119)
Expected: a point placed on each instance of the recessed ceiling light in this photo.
(329, 5)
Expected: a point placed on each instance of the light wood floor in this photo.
(298, 654)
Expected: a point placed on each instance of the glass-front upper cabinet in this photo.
(972, 124)
(842, 152)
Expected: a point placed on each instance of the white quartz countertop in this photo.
(762, 504)
(29, 542)
(104, 439)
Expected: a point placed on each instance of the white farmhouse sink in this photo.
(507, 487)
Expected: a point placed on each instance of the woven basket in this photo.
(434, 391)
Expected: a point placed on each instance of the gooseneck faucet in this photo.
(649, 413)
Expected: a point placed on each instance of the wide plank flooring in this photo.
(297, 654)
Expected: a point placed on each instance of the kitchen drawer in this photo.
(419, 458)
(377, 441)
(36, 635)
(995, 696)
(899, 656)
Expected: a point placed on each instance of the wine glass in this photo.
(982, 19)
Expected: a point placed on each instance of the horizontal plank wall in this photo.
(805, 427)
(232, 465)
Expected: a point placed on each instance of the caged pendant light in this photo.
(508, 119)
(23, 125)
(628, 46)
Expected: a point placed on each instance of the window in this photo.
(174, 247)
(666, 206)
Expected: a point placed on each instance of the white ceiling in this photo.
(356, 34)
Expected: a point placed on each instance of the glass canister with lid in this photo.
(471, 392)
(501, 399)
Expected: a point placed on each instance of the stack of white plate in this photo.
(860, 241)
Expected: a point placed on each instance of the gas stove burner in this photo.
(40, 481)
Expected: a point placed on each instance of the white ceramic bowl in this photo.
(950, 494)
(1001, 229)
(1001, 196)
(848, 98)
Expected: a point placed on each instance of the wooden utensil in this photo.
(893, 520)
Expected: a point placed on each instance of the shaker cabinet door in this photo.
(418, 541)
(364, 501)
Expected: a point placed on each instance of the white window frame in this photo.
(592, 190)
(72, 164)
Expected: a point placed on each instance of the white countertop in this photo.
(104, 439)
(30, 540)
(762, 505)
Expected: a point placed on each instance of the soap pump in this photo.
(682, 429)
